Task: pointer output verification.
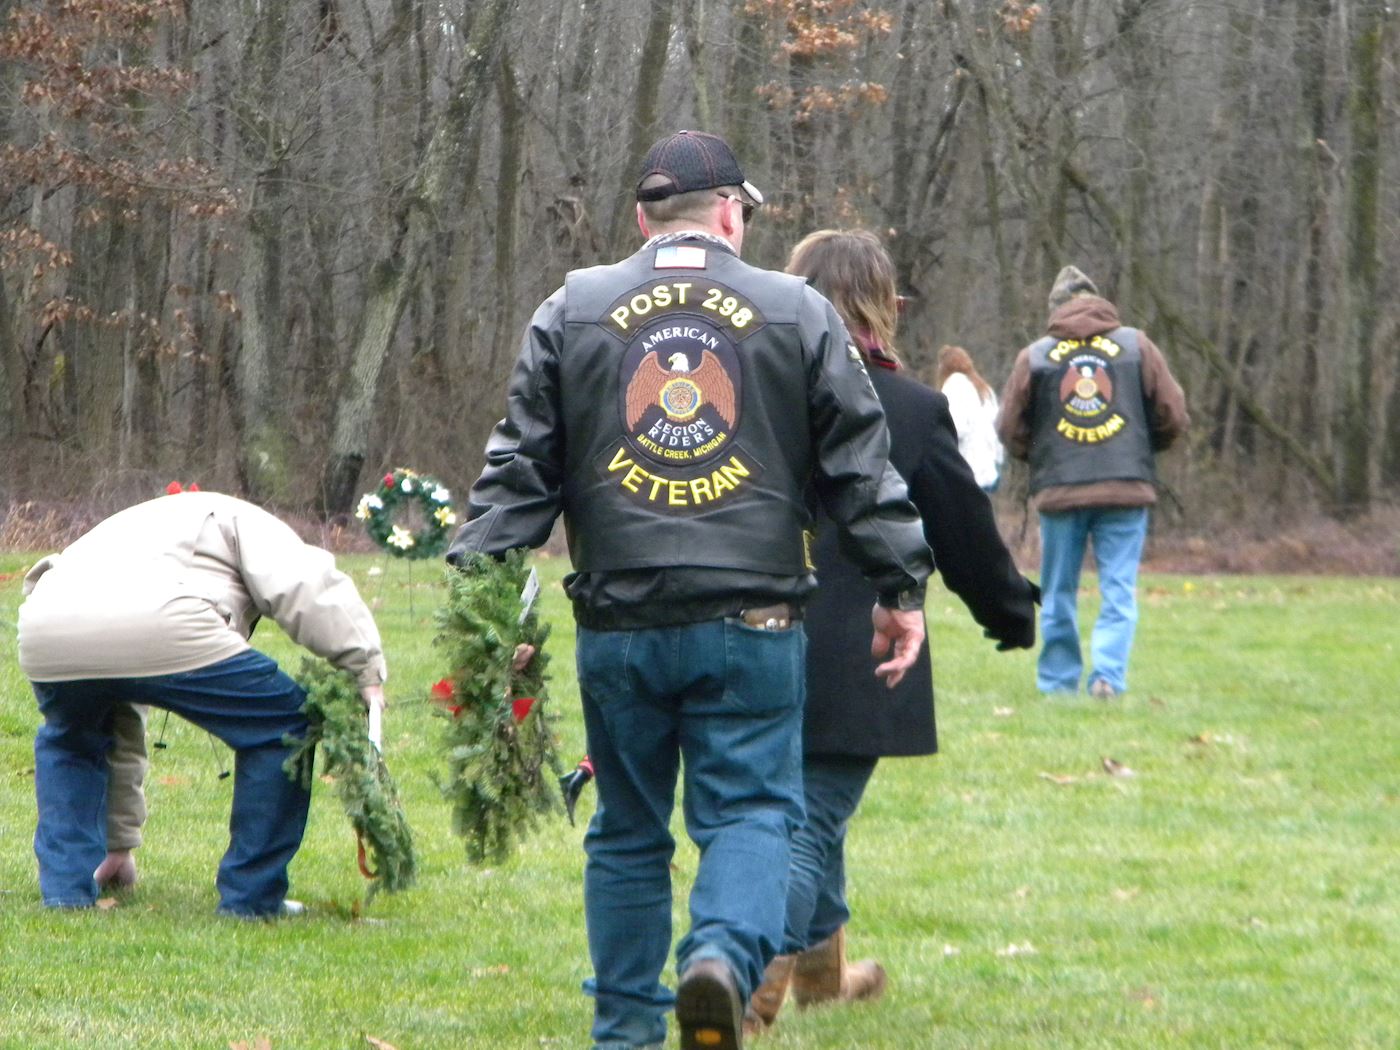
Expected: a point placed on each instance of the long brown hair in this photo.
(853, 270)
(955, 359)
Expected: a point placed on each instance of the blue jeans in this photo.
(832, 786)
(246, 702)
(1118, 534)
(727, 700)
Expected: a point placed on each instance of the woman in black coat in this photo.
(851, 719)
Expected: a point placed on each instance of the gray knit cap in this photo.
(1070, 282)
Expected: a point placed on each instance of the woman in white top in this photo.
(974, 407)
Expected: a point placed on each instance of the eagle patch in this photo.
(681, 390)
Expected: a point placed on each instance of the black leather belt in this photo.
(772, 617)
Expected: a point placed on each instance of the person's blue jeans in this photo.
(832, 786)
(726, 700)
(246, 702)
(1118, 534)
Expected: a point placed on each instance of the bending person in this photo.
(155, 605)
(851, 721)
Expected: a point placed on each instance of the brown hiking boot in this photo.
(822, 975)
(709, 1011)
(768, 997)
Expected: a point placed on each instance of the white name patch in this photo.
(680, 257)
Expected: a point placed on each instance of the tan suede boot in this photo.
(822, 974)
(768, 997)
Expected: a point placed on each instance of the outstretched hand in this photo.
(902, 628)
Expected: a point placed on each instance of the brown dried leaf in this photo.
(1013, 949)
(1146, 996)
(1062, 779)
(379, 1044)
(489, 971)
(173, 780)
(1114, 768)
(107, 903)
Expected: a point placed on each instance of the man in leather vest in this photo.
(1089, 405)
(674, 407)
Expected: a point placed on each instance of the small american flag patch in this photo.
(680, 256)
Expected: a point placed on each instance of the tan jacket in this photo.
(178, 583)
(1080, 318)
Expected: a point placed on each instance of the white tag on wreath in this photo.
(528, 594)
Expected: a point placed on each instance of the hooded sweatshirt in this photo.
(1084, 317)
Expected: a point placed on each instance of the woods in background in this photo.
(280, 246)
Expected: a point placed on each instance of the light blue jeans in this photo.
(1118, 534)
(725, 700)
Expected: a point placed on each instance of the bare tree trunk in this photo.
(651, 68)
(1359, 404)
(262, 448)
(692, 18)
(393, 276)
(1311, 60)
(512, 149)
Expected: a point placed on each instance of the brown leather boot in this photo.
(822, 974)
(768, 997)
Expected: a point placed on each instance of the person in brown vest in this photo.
(1089, 406)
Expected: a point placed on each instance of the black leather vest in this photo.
(1090, 418)
(685, 414)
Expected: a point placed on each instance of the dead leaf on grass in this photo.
(1156, 701)
(1126, 894)
(107, 903)
(1063, 779)
(261, 1043)
(1114, 768)
(24, 772)
(173, 780)
(379, 1044)
(1021, 892)
(490, 971)
(1146, 996)
(1003, 712)
(326, 778)
(1013, 949)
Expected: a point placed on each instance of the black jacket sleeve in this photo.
(517, 497)
(962, 531)
(861, 491)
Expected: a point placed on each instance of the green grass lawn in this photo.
(1239, 889)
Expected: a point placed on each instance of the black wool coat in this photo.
(849, 711)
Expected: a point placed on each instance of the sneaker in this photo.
(288, 909)
(1101, 690)
(709, 1011)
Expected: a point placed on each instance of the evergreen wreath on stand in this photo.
(499, 742)
(403, 488)
(337, 715)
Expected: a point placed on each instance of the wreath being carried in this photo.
(401, 493)
(367, 792)
(498, 741)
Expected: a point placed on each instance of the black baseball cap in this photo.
(692, 160)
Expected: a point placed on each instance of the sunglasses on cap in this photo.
(745, 207)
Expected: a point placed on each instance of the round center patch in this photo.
(1086, 387)
(680, 389)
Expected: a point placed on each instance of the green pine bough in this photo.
(499, 742)
(338, 725)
